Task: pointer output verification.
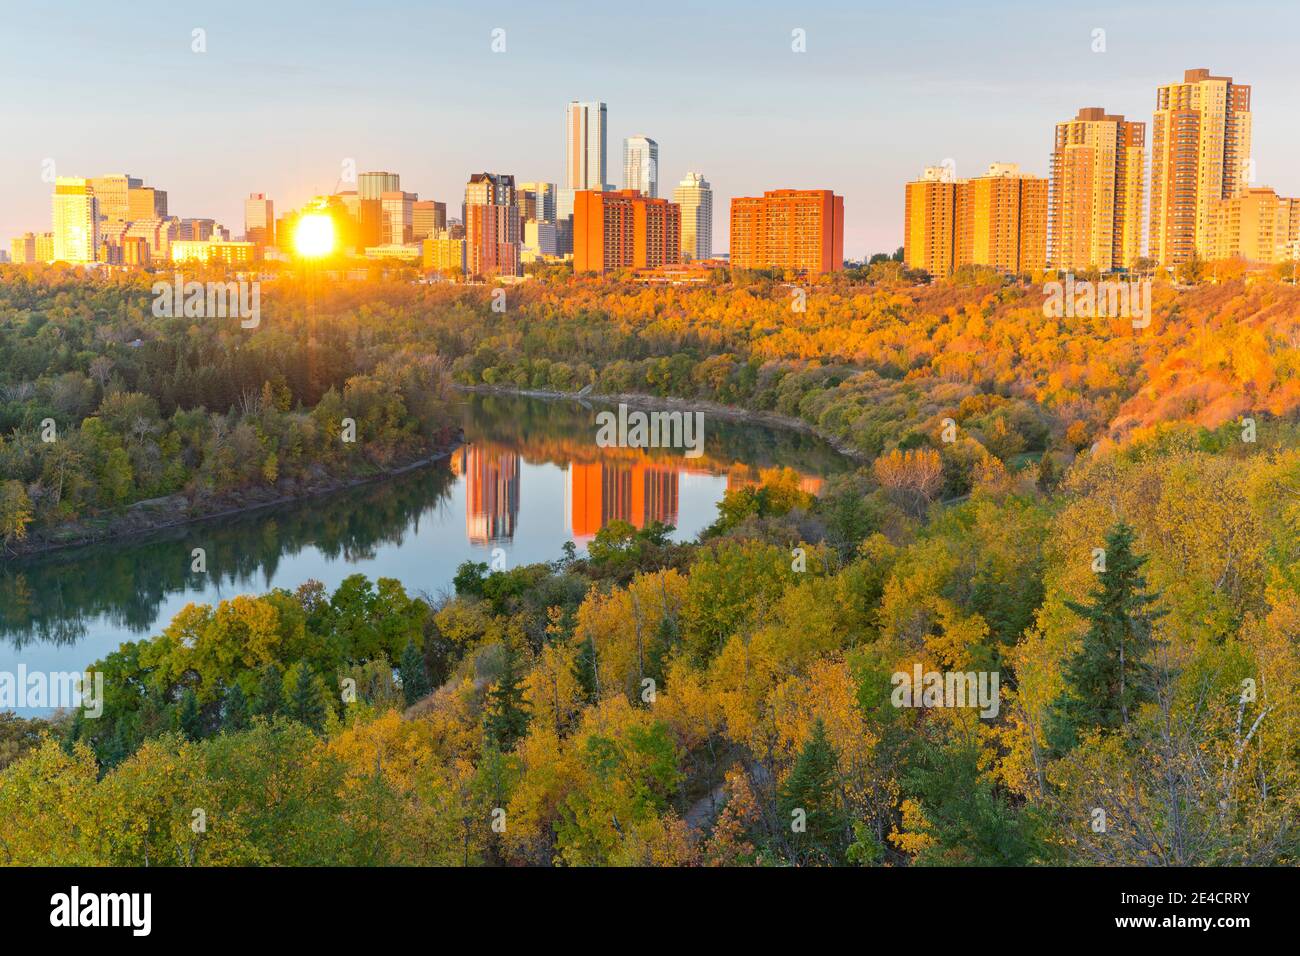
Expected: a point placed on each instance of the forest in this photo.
(1105, 517)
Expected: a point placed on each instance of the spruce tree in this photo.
(235, 716)
(270, 691)
(191, 721)
(1109, 678)
(415, 680)
(584, 670)
(507, 717)
(813, 787)
(305, 703)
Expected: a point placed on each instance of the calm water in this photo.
(529, 478)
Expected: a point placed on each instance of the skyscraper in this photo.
(695, 197)
(585, 140)
(259, 220)
(1200, 154)
(537, 201)
(428, 218)
(398, 217)
(641, 165)
(800, 230)
(145, 202)
(491, 225)
(373, 185)
(76, 221)
(112, 194)
(1098, 167)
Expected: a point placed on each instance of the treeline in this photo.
(732, 701)
(103, 405)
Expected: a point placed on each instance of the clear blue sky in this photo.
(287, 90)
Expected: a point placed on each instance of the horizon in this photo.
(278, 106)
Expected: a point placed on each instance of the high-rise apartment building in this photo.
(998, 220)
(641, 165)
(799, 230)
(491, 219)
(1098, 175)
(1002, 220)
(259, 220)
(1200, 155)
(695, 197)
(624, 230)
(76, 221)
(930, 222)
(428, 218)
(1256, 225)
(112, 192)
(373, 185)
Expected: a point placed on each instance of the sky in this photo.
(288, 92)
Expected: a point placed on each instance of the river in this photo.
(529, 478)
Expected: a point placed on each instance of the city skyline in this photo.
(279, 108)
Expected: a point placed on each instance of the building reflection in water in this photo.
(600, 492)
(630, 487)
(491, 491)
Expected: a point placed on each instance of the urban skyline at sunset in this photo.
(257, 113)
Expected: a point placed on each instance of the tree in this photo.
(584, 670)
(415, 680)
(306, 702)
(235, 716)
(191, 721)
(1108, 677)
(15, 512)
(508, 710)
(270, 692)
(810, 801)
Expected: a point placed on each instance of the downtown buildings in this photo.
(792, 230)
(641, 165)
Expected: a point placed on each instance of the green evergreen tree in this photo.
(1109, 678)
(191, 721)
(813, 788)
(235, 716)
(968, 822)
(415, 680)
(270, 691)
(584, 670)
(507, 711)
(305, 703)
(1047, 473)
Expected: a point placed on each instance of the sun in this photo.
(314, 236)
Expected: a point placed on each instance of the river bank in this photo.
(158, 514)
(643, 401)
